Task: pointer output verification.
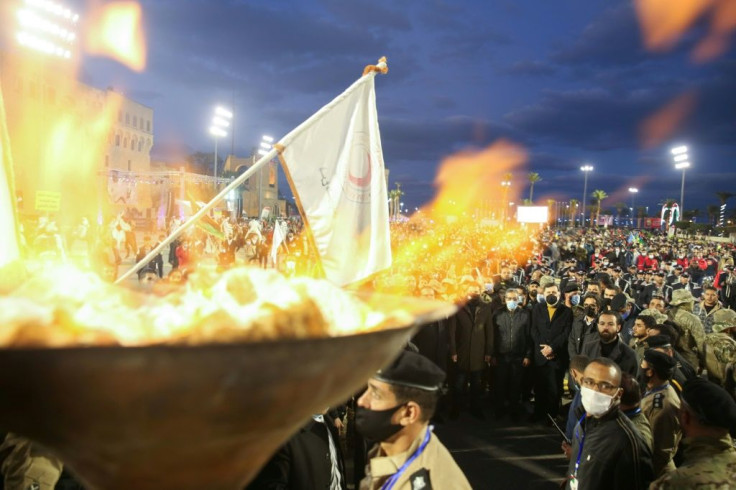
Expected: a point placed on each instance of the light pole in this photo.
(47, 27)
(633, 191)
(266, 145)
(220, 122)
(586, 169)
(505, 184)
(681, 157)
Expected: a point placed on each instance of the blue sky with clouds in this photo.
(569, 80)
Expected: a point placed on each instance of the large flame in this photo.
(658, 127)
(451, 237)
(116, 31)
(664, 22)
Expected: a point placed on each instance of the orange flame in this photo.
(117, 32)
(447, 241)
(659, 126)
(664, 22)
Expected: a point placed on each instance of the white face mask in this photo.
(595, 403)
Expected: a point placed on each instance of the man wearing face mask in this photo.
(585, 326)
(608, 452)
(609, 345)
(551, 324)
(512, 351)
(707, 415)
(628, 310)
(394, 412)
(572, 299)
(661, 404)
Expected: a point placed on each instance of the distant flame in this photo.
(664, 22)
(116, 31)
(658, 127)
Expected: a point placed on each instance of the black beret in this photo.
(679, 268)
(685, 275)
(659, 273)
(660, 361)
(571, 286)
(412, 370)
(618, 269)
(712, 403)
(660, 340)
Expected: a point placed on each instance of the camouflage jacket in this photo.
(690, 344)
(720, 349)
(708, 463)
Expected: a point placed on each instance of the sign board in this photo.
(532, 214)
(48, 201)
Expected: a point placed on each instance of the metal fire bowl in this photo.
(180, 417)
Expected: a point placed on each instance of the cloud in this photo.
(530, 68)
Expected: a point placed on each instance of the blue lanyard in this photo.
(658, 388)
(631, 413)
(581, 441)
(395, 477)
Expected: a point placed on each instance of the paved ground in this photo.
(499, 454)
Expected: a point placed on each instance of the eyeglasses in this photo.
(602, 386)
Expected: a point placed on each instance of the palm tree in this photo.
(598, 196)
(690, 214)
(713, 214)
(620, 206)
(533, 179)
(395, 197)
(574, 203)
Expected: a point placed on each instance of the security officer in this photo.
(661, 405)
(28, 465)
(683, 370)
(394, 412)
(707, 414)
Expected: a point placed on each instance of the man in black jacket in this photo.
(609, 345)
(584, 327)
(512, 351)
(310, 459)
(551, 324)
(608, 452)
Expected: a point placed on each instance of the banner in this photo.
(335, 168)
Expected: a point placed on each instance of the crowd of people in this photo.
(625, 339)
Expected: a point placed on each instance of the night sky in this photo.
(568, 80)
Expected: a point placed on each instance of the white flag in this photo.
(9, 249)
(335, 167)
(279, 235)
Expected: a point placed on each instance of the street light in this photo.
(220, 122)
(585, 169)
(633, 191)
(682, 162)
(505, 184)
(47, 27)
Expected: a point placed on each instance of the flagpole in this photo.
(369, 72)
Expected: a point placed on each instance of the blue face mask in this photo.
(625, 314)
(511, 305)
(575, 299)
(540, 298)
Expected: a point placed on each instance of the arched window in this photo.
(117, 140)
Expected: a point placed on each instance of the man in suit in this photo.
(551, 324)
(310, 459)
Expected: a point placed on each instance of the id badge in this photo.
(573, 483)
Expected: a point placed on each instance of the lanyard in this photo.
(658, 388)
(581, 441)
(395, 477)
(631, 413)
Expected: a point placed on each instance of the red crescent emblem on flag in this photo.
(365, 180)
